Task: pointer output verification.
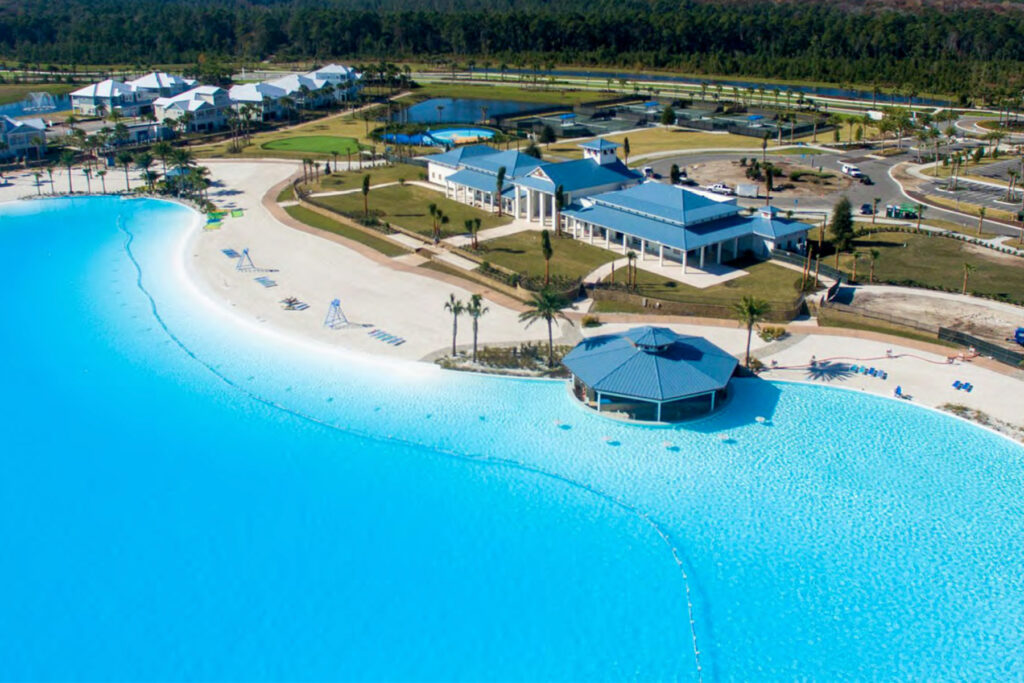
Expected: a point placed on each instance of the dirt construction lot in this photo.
(989, 320)
(732, 174)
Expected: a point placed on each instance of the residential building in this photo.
(100, 99)
(264, 97)
(206, 107)
(22, 138)
(160, 84)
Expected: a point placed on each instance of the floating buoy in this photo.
(759, 419)
(666, 444)
(724, 437)
(607, 438)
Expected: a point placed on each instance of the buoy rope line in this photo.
(631, 509)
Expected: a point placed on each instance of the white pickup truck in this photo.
(720, 188)
(851, 170)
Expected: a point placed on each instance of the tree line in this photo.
(967, 51)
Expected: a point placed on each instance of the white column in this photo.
(661, 254)
(684, 261)
(542, 198)
(702, 257)
(623, 243)
(607, 238)
(529, 205)
(718, 258)
(643, 250)
(516, 201)
(590, 227)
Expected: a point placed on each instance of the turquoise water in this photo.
(185, 497)
(448, 134)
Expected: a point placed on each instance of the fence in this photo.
(985, 348)
(881, 317)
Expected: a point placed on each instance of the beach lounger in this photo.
(236, 213)
(854, 368)
(400, 342)
(230, 253)
(213, 225)
(957, 384)
(871, 372)
(968, 387)
(301, 306)
(266, 282)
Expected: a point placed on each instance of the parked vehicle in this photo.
(720, 188)
(747, 190)
(866, 210)
(851, 170)
(648, 172)
(866, 180)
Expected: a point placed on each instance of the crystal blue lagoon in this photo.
(188, 497)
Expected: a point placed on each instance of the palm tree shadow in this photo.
(827, 371)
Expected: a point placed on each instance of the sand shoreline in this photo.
(408, 302)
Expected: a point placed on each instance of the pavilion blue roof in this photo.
(454, 157)
(667, 202)
(767, 223)
(599, 144)
(580, 174)
(478, 181)
(651, 364)
(657, 230)
(516, 164)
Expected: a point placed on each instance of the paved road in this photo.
(884, 188)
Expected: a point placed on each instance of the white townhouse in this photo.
(128, 99)
(345, 80)
(100, 99)
(207, 106)
(22, 138)
(266, 99)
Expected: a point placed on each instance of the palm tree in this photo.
(630, 269)
(548, 252)
(856, 258)
(102, 175)
(498, 185)
(750, 311)
(547, 306)
(476, 231)
(125, 159)
(874, 253)
(456, 308)
(968, 269)
(432, 210)
(143, 161)
(67, 160)
(981, 218)
(366, 194)
(625, 150)
(39, 189)
(874, 208)
(87, 172)
(476, 309)
(764, 149)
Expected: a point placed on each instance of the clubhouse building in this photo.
(609, 205)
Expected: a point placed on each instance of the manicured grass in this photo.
(662, 139)
(314, 144)
(936, 262)
(967, 207)
(352, 180)
(312, 218)
(764, 280)
(829, 317)
(521, 252)
(509, 91)
(16, 92)
(287, 194)
(406, 206)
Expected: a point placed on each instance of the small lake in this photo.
(36, 106)
(464, 110)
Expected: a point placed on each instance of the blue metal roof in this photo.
(599, 144)
(767, 224)
(667, 202)
(630, 364)
(657, 230)
(478, 181)
(580, 174)
(516, 163)
(454, 157)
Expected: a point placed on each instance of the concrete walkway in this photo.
(709, 276)
(516, 226)
(335, 193)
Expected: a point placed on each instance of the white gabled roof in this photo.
(293, 84)
(346, 71)
(159, 80)
(188, 100)
(255, 92)
(9, 125)
(107, 88)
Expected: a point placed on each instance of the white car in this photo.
(720, 188)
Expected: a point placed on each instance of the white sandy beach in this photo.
(398, 298)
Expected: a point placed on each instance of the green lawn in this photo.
(406, 206)
(312, 218)
(314, 144)
(352, 180)
(764, 280)
(509, 91)
(287, 194)
(16, 92)
(521, 252)
(936, 262)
